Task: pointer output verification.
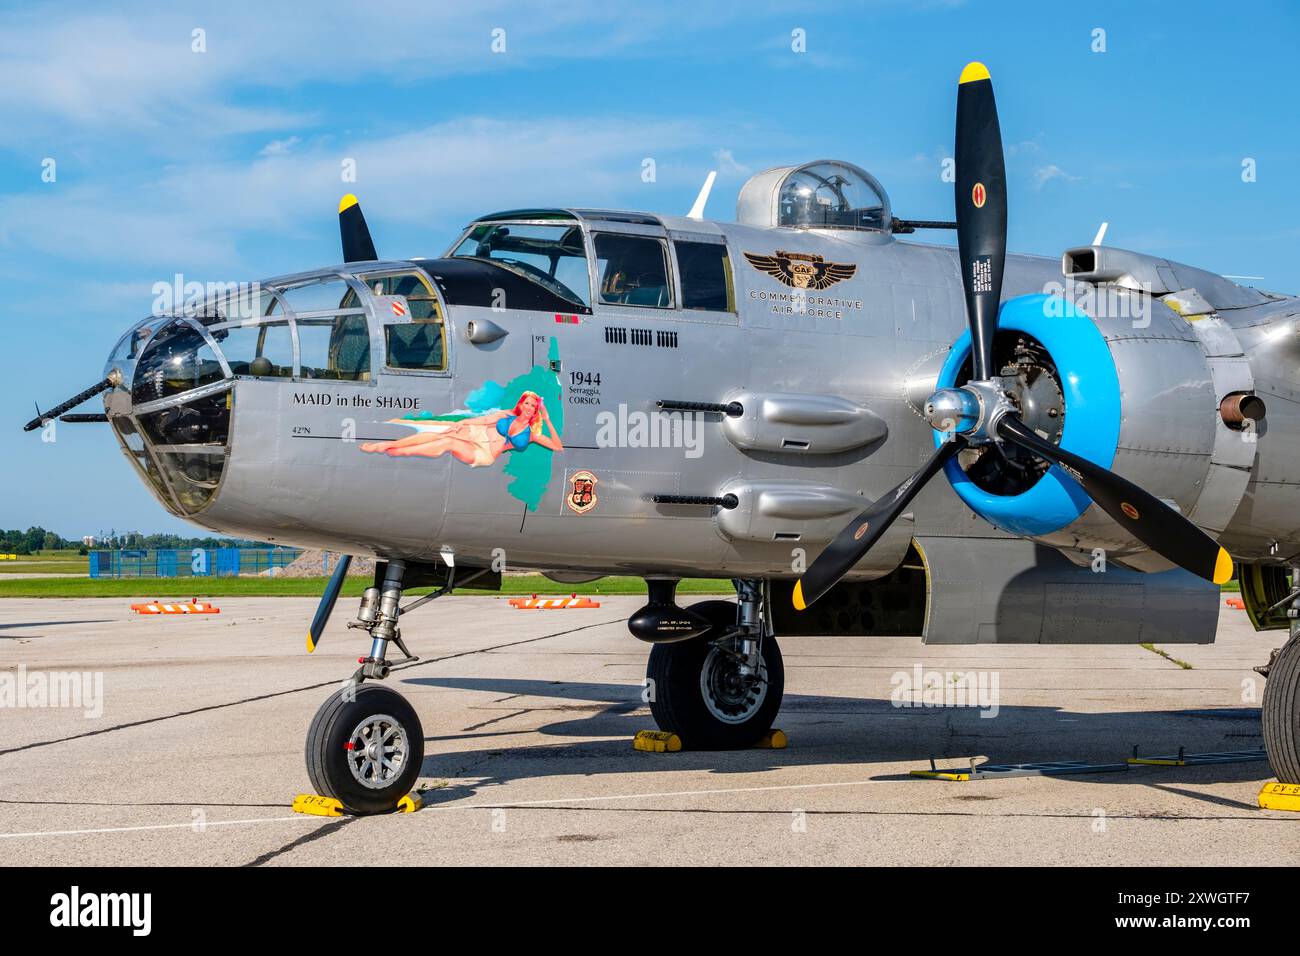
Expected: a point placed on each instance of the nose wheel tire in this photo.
(699, 692)
(364, 748)
(1281, 713)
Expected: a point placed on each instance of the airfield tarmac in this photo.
(529, 715)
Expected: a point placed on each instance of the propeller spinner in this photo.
(981, 412)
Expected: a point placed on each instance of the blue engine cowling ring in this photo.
(1090, 385)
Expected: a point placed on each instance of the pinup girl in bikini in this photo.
(483, 439)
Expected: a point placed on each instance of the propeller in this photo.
(327, 602)
(981, 412)
(981, 201)
(357, 244)
(865, 530)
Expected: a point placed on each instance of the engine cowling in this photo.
(1128, 387)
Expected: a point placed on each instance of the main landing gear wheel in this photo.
(1281, 713)
(364, 748)
(700, 693)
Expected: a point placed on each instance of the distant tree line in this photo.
(35, 540)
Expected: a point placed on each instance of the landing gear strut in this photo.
(365, 744)
(720, 689)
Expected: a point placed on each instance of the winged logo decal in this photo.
(800, 270)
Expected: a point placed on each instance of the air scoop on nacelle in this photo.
(811, 424)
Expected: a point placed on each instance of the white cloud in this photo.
(280, 147)
(439, 177)
(64, 73)
(727, 164)
(1024, 146)
(1045, 174)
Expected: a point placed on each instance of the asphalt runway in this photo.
(197, 749)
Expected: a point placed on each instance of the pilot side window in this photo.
(633, 271)
(417, 341)
(706, 276)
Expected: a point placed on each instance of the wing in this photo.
(829, 273)
(777, 266)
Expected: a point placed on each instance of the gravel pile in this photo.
(311, 564)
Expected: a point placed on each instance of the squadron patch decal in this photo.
(800, 270)
(582, 492)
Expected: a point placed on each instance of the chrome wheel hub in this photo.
(730, 695)
(377, 751)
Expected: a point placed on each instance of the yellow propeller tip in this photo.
(311, 645)
(799, 604)
(1222, 567)
(347, 202)
(975, 70)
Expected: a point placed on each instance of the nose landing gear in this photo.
(365, 745)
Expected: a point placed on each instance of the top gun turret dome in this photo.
(826, 194)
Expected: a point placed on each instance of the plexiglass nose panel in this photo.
(178, 358)
(177, 432)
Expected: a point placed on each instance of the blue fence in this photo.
(190, 563)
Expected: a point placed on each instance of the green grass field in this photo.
(309, 587)
(47, 562)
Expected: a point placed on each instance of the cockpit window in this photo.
(633, 271)
(262, 351)
(335, 347)
(417, 340)
(552, 256)
(333, 335)
(317, 296)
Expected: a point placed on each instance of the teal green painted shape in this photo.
(428, 416)
(531, 468)
(487, 397)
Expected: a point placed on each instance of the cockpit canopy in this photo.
(174, 410)
(827, 194)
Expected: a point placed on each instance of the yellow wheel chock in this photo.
(656, 742)
(1280, 796)
(317, 806)
(666, 742)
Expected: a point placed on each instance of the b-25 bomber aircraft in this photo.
(590, 392)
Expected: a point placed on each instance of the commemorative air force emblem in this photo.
(799, 270)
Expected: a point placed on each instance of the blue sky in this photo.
(225, 165)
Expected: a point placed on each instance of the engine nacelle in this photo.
(1131, 387)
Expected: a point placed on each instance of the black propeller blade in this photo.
(865, 530)
(981, 202)
(327, 602)
(1139, 512)
(357, 245)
